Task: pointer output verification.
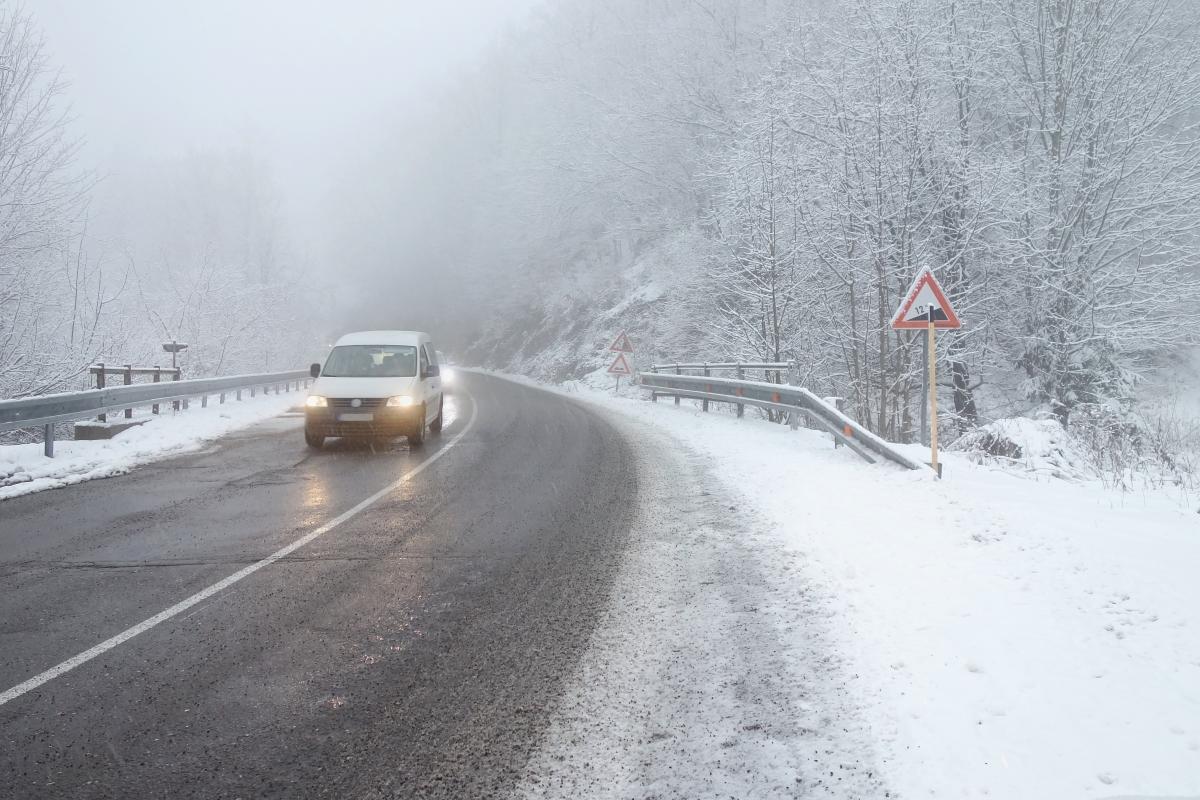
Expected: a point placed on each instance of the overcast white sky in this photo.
(300, 79)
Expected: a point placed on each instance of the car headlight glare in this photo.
(402, 401)
(316, 401)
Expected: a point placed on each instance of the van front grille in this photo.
(364, 402)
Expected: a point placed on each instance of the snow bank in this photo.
(1013, 636)
(24, 469)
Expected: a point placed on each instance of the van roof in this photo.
(383, 337)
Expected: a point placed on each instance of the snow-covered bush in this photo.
(1130, 450)
(1038, 445)
(1122, 449)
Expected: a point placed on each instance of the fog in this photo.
(306, 90)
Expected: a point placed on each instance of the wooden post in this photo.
(933, 413)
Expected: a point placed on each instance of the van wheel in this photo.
(417, 437)
(436, 425)
(313, 440)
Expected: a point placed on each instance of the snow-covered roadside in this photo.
(1014, 638)
(24, 469)
(711, 673)
(1005, 635)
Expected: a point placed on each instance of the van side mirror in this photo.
(315, 370)
(432, 371)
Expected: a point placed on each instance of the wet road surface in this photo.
(411, 651)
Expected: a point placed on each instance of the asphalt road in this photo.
(413, 650)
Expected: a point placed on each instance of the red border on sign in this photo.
(620, 366)
(621, 344)
(925, 278)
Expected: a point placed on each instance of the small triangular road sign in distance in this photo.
(621, 344)
(925, 299)
(620, 366)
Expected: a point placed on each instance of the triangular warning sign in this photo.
(620, 366)
(925, 298)
(622, 344)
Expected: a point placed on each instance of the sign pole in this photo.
(925, 388)
(933, 415)
(926, 306)
(618, 389)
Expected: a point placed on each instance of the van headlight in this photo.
(400, 401)
(316, 401)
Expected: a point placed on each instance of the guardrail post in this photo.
(252, 390)
(239, 394)
(741, 407)
(129, 382)
(793, 379)
(157, 378)
(204, 401)
(99, 385)
(48, 440)
(704, 403)
(222, 398)
(677, 372)
(175, 403)
(653, 394)
(840, 404)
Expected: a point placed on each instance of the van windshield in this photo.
(371, 361)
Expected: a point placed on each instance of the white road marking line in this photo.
(204, 594)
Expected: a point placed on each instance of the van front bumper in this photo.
(384, 421)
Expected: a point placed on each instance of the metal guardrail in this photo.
(101, 372)
(740, 368)
(753, 366)
(129, 369)
(46, 410)
(778, 397)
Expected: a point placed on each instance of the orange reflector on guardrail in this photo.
(847, 431)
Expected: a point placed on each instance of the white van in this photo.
(375, 383)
